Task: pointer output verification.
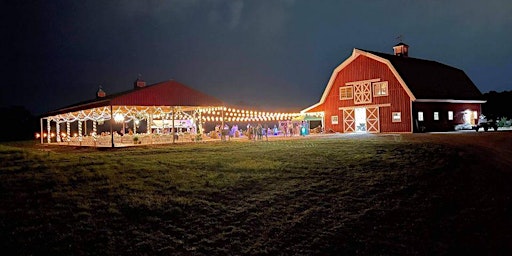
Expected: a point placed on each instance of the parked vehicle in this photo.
(486, 123)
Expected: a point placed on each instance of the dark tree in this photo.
(499, 104)
(17, 124)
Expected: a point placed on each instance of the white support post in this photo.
(41, 134)
(111, 131)
(68, 131)
(222, 118)
(163, 123)
(172, 126)
(80, 132)
(200, 128)
(49, 129)
(94, 132)
(150, 122)
(323, 122)
(57, 131)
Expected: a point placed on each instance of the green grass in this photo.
(400, 194)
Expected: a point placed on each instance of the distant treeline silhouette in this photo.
(499, 104)
(17, 124)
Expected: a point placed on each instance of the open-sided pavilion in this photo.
(164, 112)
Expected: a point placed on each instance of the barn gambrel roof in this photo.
(433, 80)
(423, 80)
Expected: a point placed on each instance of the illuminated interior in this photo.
(119, 125)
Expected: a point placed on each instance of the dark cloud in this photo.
(268, 53)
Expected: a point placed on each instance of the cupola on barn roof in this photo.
(401, 49)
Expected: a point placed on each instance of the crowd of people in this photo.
(260, 131)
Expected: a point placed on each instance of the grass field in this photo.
(414, 194)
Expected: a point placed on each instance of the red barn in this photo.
(378, 92)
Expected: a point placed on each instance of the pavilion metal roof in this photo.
(167, 93)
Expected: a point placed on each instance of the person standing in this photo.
(259, 131)
(267, 130)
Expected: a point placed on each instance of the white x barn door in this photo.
(372, 119)
(349, 124)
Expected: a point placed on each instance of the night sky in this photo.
(267, 54)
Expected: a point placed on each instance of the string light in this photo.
(68, 130)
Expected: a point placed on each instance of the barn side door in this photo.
(349, 124)
(372, 119)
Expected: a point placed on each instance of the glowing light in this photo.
(52, 135)
(38, 135)
(118, 118)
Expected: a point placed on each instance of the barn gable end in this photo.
(378, 92)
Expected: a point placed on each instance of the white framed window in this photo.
(346, 93)
(436, 116)
(396, 117)
(380, 89)
(334, 119)
(475, 115)
(450, 115)
(420, 116)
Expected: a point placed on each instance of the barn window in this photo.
(334, 119)
(475, 115)
(397, 117)
(363, 92)
(420, 116)
(450, 115)
(380, 89)
(436, 116)
(346, 93)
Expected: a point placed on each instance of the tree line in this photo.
(499, 104)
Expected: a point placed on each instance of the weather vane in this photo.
(400, 38)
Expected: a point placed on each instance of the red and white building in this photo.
(378, 92)
(164, 112)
